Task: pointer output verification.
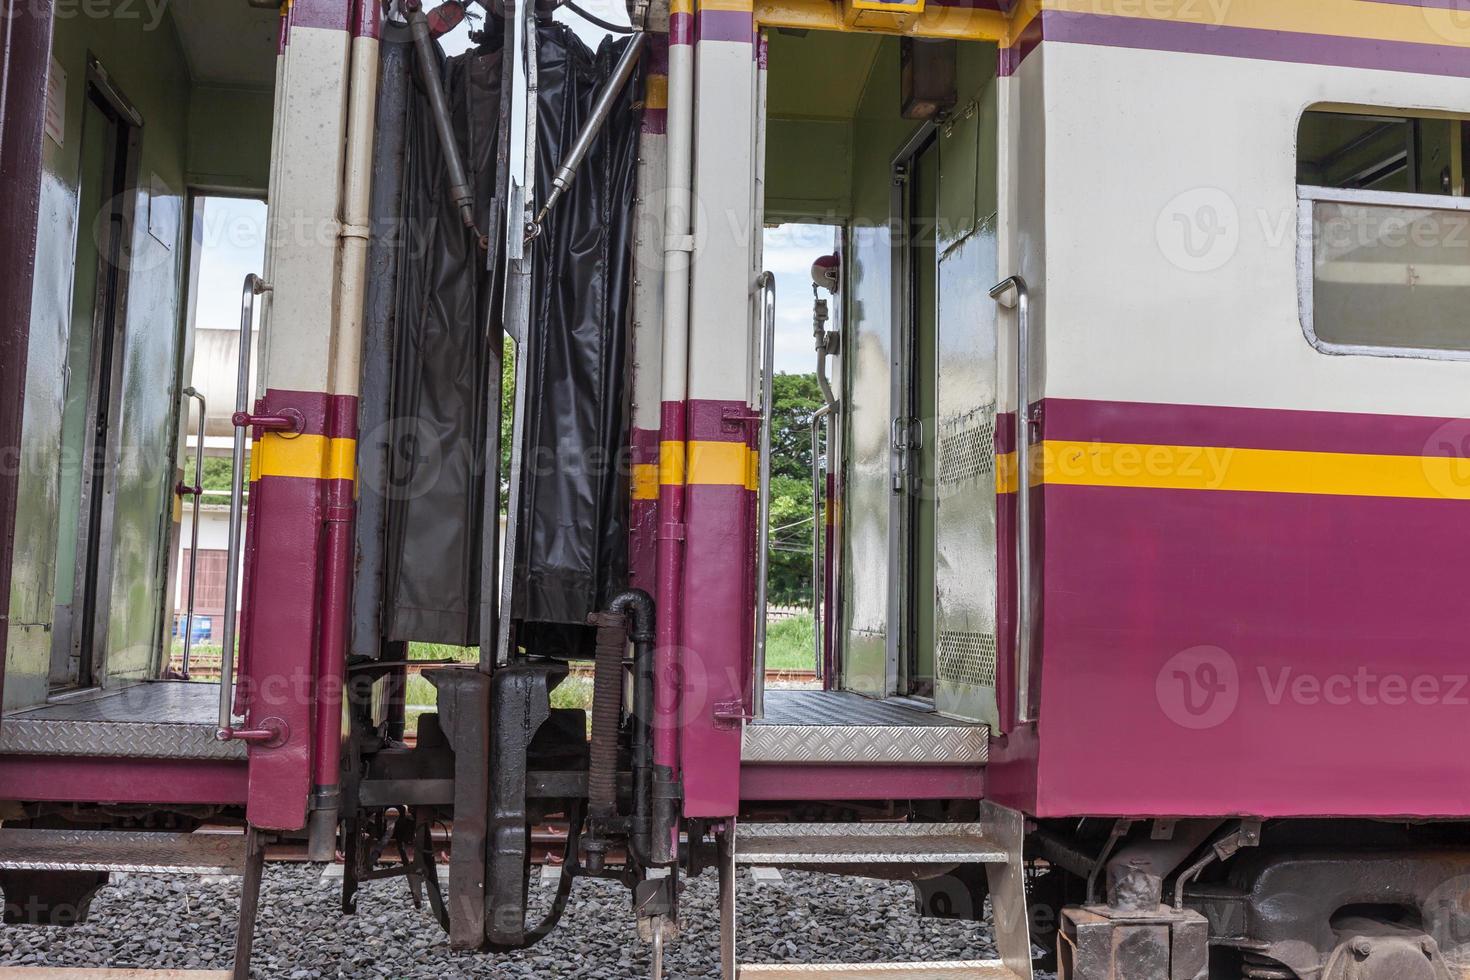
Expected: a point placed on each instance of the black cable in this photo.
(606, 25)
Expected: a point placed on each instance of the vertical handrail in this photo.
(253, 287)
(818, 568)
(198, 491)
(766, 284)
(1022, 628)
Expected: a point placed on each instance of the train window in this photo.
(1384, 234)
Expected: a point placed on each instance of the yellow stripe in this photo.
(645, 481)
(959, 23)
(1005, 473)
(309, 457)
(671, 464)
(699, 463)
(740, 6)
(1422, 24)
(681, 7)
(656, 92)
(1259, 470)
(724, 464)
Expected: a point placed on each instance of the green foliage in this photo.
(794, 398)
(216, 471)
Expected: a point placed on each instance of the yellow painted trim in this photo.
(1098, 464)
(739, 6)
(725, 464)
(671, 467)
(307, 456)
(1424, 24)
(956, 23)
(645, 481)
(254, 460)
(342, 459)
(1413, 23)
(656, 92)
(706, 463)
(1005, 473)
(681, 7)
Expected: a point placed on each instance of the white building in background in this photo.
(213, 374)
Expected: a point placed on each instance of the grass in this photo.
(788, 647)
(789, 644)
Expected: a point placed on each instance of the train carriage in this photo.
(1139, 472)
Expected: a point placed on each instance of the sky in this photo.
(234, 245)
(234, 239)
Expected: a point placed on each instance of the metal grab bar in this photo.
(819, 593)
(253, 287)
(1022, 628)
(826, 345)
(198, 491)
(766, 284)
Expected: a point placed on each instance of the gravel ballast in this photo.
(188, 923)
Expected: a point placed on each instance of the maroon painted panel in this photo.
(65, 779)
(282, 656)
(25, 46)
(1212, 652)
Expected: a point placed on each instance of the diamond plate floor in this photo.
(153, 720)
(843, 727)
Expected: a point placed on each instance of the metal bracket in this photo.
(288, 420)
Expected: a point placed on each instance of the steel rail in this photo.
(253, 287)
(198, 491)
(765, 284)
(1022, 621)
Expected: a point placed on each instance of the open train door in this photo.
(25, 47)
(964, 450)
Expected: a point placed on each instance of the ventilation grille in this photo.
(967, 658)
(966, 448)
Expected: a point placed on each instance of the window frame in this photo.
(1307, 197)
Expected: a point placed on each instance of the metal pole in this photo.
(253, 287)
(818, 498)
(567, 172)
(192, 392)
(1022, 630)
(766, 284)
(428, 64)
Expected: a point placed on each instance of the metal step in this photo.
(962, 970)
(28, 849)
(866, 843)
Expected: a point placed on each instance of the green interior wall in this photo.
(190, 136)
(834, 128)
(229, 144)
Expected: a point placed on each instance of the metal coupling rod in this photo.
(567, 172)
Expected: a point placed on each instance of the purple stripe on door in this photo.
(724, 25)
(1077, 420)
(1463, 5)
(1255, 43)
